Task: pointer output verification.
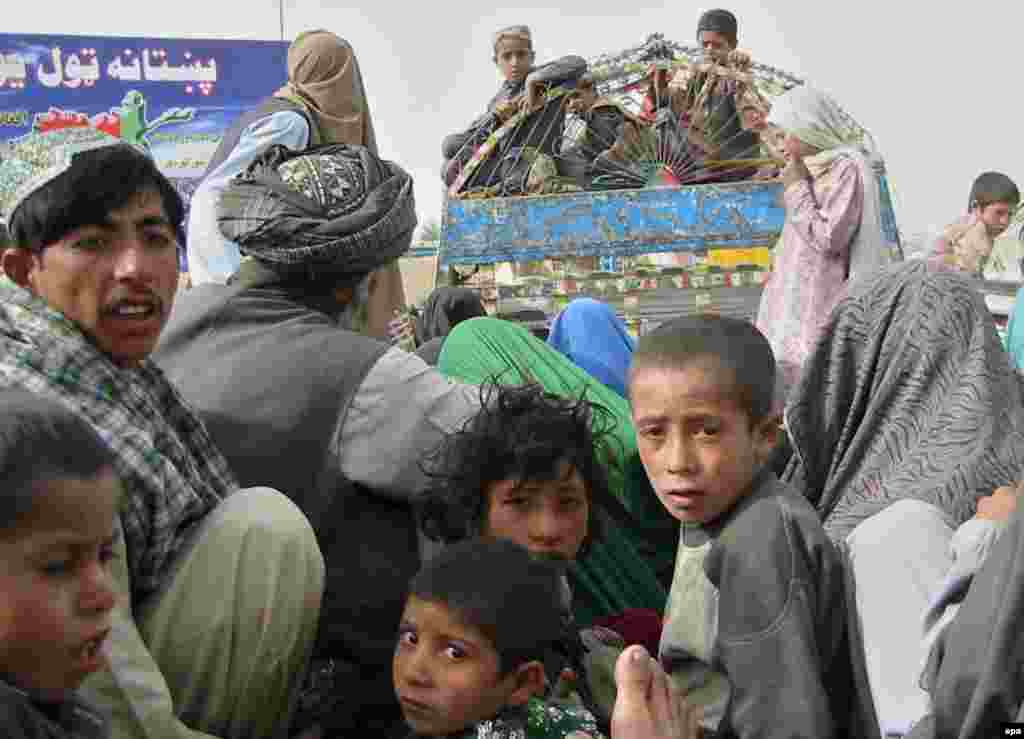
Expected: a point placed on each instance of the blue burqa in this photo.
(595, 339)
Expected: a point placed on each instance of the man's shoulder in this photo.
(772, 510)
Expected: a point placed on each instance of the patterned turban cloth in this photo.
(330, 211)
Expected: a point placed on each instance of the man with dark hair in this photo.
(291, 361)
(219, 588)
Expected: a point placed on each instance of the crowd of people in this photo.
(274, 505)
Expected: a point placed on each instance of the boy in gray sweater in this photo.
(755, 631)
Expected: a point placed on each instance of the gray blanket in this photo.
(909, 394)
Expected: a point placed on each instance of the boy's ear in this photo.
(529, 680)
(767, 433)
(17, 264)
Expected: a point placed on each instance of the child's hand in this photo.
(401, 331)
(534, 98)
(647, 706)
(506, 109)
(795, 171)
(999, 505)
(566, 685)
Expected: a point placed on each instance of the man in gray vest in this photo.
(288, 366)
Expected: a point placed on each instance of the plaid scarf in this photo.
(172, 473)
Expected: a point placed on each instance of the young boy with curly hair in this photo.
(529, 468)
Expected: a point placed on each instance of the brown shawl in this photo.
(324, 77)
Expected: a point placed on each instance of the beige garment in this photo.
(324, 76)
(223, 650)
(968, 246)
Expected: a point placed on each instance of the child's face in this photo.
(716, 45)
(549, 518)
(56, 590)
(446, 673)
(996, 217)
(753, 119)
(695, 440)
(514, 57)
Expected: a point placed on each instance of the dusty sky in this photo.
(934, 82)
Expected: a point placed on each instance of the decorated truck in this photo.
(650, 227)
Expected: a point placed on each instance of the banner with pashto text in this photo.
(173, 97)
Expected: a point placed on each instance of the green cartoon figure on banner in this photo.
(127, 122)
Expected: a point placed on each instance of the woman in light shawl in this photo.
(833, 230)
(590, 334)
(907, 414)
(324, 102)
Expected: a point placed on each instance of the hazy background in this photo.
(933, 82)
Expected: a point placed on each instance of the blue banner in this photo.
(174, 97)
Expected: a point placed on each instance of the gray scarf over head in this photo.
(909, 394)
(329, 212)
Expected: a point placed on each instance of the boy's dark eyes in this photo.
(407, 636)
(159, 238)
(56, 568)
(455, 652)
(711, 428)
(156, 237)
(90, 243)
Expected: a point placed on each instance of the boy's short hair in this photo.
(993, 187)
(496, 587)
(735, 344)
(519, 32)
(719, 20)
(97, 182)
(41, 441)
(524, 433)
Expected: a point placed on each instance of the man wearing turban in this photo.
(290, 367)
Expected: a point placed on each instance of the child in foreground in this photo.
(755, 629)
(57, 522)
(527, 467)
(967, 244)
(477, 623)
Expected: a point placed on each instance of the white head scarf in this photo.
(816, 119)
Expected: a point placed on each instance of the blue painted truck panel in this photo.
(612, 223)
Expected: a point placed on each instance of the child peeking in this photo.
(469, 660)
(60, 500)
